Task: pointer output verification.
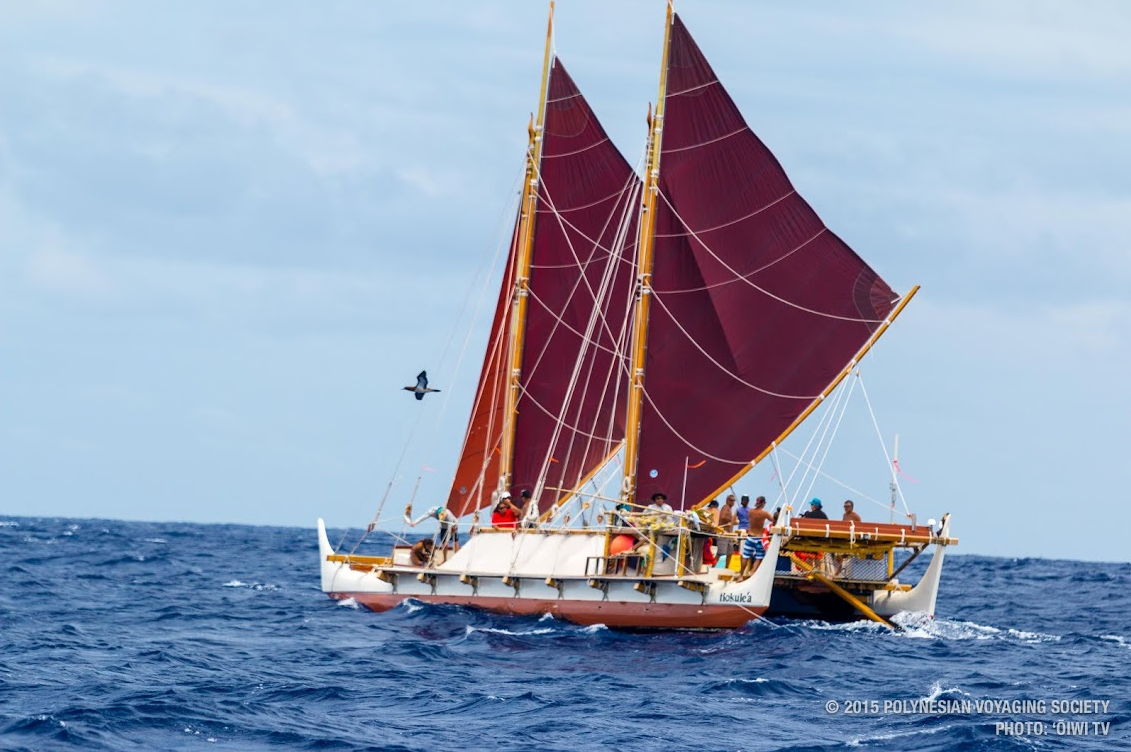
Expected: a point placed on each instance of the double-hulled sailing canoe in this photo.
(691, 318)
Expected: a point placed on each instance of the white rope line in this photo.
(887, 457)
(582, 279)
(855, 492)
(614, 194)
(558, 418)
(831, 430)
(765, 292)
(680, 93)
(810, 397)
(668, 150)
(744, 217)
(596, 317)
(745, 277)
(684, 439)
(596, 260)
(577, 151)
(595, 243)
(805, 452)
(494, 353)
(616, 373)
(632, 187)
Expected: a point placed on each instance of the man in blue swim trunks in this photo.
(753, 550)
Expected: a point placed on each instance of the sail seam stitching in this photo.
(705, 143)
(712, 82)
(578, 151)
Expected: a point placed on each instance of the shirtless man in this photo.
(727, 519)
(849, 514)
(753, 551)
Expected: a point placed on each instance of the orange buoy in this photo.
(620, 544)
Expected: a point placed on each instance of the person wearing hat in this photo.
(505, 514)
(660, 506)
(815, 512)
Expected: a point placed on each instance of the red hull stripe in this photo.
(609, 613)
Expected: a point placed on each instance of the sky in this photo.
(230, 232)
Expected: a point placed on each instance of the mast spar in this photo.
(644, 278)
(528, 204)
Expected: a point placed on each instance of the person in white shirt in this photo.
(660, 506)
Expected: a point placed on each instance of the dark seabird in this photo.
(421, 387)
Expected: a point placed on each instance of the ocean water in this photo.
(145, 636)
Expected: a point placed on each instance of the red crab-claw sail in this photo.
(569, 410)
(757, 306)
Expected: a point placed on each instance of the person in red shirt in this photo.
(505, 514)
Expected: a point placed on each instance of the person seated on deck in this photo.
(815, 512)
(421, 553)
(505, 514)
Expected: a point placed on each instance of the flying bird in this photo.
(421, 387)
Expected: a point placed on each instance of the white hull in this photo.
(543, 572)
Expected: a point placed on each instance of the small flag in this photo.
(701, 463)
(427, 469)
(905, 475)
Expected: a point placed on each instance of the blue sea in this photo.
(161, 636)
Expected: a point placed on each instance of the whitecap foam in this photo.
(495, 630)
(251, 585)
(1117, 639)
(349, 603)
(860, 741)
(937, 692)
(156, 540)
(5, 523)
(594, 628)
(920, 625)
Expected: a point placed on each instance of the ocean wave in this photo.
(195, 648)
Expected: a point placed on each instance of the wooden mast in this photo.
(527, 208)
(644, 278)
(816, 403)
